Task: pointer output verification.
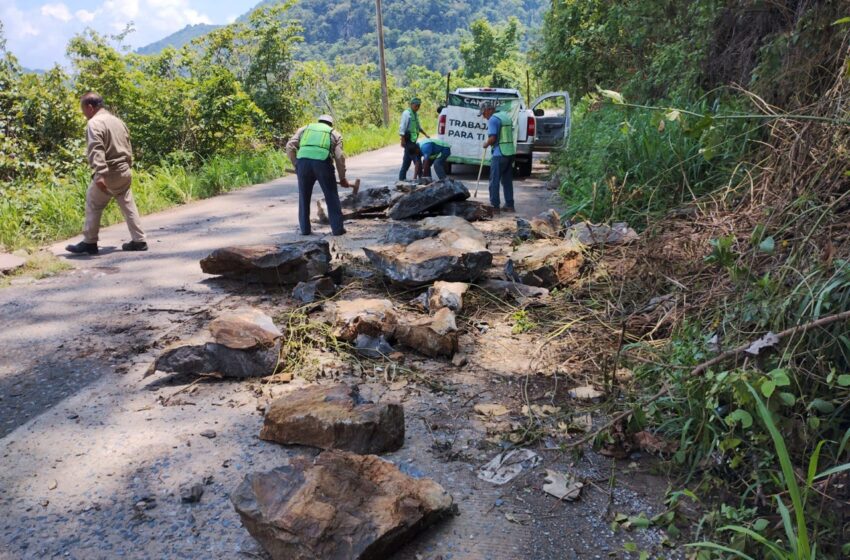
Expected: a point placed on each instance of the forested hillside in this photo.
(178, 39)
(426, 34)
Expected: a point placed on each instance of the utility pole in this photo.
(384, 100)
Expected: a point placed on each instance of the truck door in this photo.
(553, 116)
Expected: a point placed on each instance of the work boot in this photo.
(509, 209)
(135, 246)
(340, 233)
(82, 247)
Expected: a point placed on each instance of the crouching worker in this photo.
(434, 152)
(310, 150)
(110, 156)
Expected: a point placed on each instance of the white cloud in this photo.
(58, 11)
(127, 9)
(16, 24)
(85, 16)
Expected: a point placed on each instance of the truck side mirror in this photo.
(538, 112)
(440, 109)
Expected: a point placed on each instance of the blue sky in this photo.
(38, 31)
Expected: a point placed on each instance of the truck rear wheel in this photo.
(523, 167)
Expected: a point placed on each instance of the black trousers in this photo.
(309, 171)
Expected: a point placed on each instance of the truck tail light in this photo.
(441, 129)
(532, 127)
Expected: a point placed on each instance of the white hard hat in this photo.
(326, 119)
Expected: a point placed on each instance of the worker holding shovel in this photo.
(310, 150)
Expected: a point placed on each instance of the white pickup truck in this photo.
(542, 128)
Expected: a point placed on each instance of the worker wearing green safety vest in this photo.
(500, 135)
(434, 152)
(408, 131)
(311, 150)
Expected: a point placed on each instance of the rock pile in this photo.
(288, 263)
(424, 199)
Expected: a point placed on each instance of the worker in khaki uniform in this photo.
(310, 150)
(110, 156)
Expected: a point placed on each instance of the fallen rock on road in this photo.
(371, 317)
(241, 344)
(425, 198)
(288, 263)
(586, 233)
(334, 417)
(458, 253)
(340, 506)
(433, 336)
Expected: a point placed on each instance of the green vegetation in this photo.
(720, 130)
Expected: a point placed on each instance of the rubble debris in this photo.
(339, 506)
(245, 343)
(404, 234)
(446, 294)
(373, 347)
(334, 417)
(435, 336)
(372, 317)
(618, 233)
(459, 360)
(651, 443)
(562, 486)
(287, 263)
(545, 263)
(523, 230)
(368, 201)
(406, 186)
(506, 466)
(191, 494)
(209, 434)
(546, 224)
(10, 263)
(310, 291)
(520, 292)
(458, 253)
(467, 209)
(425, 198)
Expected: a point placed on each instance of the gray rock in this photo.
(446, 294)
(310, 291)
(433, 336)
(368, 202)
(467, 209)
(425, 198)
(288, 263)
(546, 224)
(523, 230)
(371, 317)
(592, 235)
(404, 234)
(545, 263)
(339, 506)
(334, 417)
(240, 344)
(191, 494)
(457, 254)
(372, 347)
(521, 292)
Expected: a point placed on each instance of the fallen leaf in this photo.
(652, 444)
(541, 410)
(562, 486)
(491, 409)
(586, 393)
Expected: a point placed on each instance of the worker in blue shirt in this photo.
(500, 135)
(409, 131)
(434, 152)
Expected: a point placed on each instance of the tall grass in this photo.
(367, 138)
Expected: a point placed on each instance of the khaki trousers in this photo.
(118, 187)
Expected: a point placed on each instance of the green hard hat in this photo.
(416, 101)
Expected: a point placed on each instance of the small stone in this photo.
(308, 292)
(52, 485)
(208, 434)
(191, 494)
(434, 336)
(545, 263)
(446, 294)
(44, 503)
(459, 360)
(73, 416)
(546, 224)
(372, 317)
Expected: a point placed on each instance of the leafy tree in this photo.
(489, 45)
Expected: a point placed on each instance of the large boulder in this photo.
(618, 233)
(425, 198)
(334, 417)
(244, 343)
(370, 317)
(288, 263)
(545, 263)
(432, 336)
(405, 234)
(338, 506)
(457, 254)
